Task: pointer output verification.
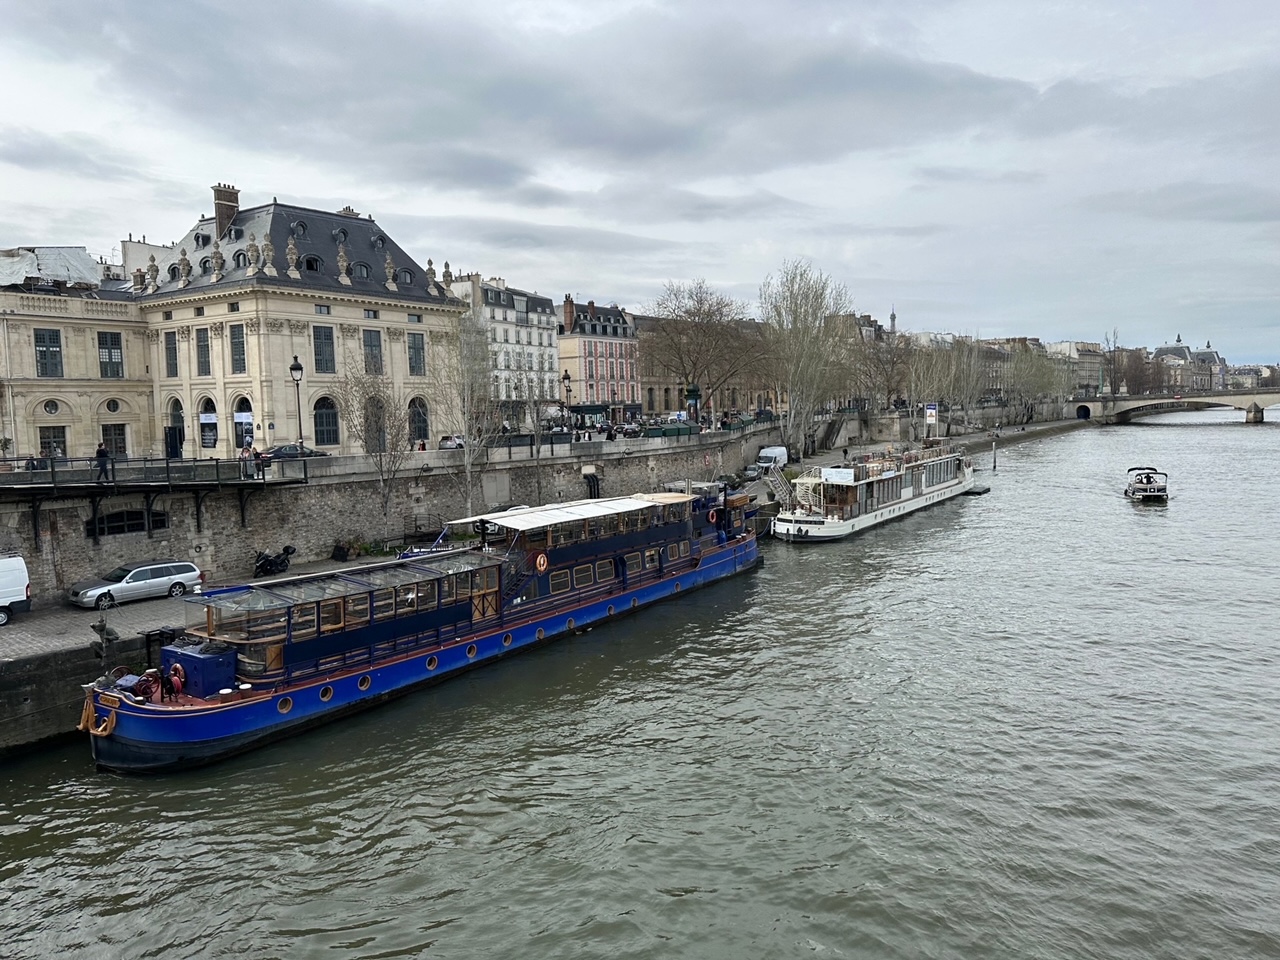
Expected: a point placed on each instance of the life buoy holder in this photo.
(541, 563)
(711, 516)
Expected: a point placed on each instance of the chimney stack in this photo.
(226, 204)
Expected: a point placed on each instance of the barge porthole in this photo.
(635, 602)
(611, 609)
(568, 624)
(677, 586)
(284, 704)
(364, 682)
(541, 633)
(506, 641)
(432, 663)
(326, 694)
(471, 650)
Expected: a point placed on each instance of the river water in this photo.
(1040, 723)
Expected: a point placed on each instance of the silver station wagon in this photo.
(136, 581)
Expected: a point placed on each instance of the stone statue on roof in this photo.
(391, 269)
(184, 267)
(251, 252)
(153, 271)
(291, 254)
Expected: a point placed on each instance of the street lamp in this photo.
(568, 391)
(295, 371)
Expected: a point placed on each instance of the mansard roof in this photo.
(316, 234)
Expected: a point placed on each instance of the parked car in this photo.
(15, 587)
(136, 581)
(632, 430)
(452, 442)
(752, 472)
(290, 451)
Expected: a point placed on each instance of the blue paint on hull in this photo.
(151, 737)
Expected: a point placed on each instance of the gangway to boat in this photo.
(780, 487)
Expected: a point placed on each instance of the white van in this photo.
(775, 457)
(15, 587)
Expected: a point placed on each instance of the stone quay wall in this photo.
(341, 503)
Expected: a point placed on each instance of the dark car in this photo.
(632, 430)
(290, 451)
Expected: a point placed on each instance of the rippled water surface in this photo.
(1040, 723)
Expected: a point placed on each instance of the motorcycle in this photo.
(266, 565)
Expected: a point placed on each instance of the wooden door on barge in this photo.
(485, 601)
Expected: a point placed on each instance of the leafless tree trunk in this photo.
(460, 372)
(806, 347)
(376, 416)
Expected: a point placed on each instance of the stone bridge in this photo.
(1120, 409)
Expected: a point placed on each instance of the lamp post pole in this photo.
(568, 393)
(295, 371)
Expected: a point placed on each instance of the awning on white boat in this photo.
(553, 513)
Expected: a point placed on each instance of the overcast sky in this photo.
(991, 167)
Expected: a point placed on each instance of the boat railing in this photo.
(782, 490)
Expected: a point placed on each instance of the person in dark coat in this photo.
(103, 458)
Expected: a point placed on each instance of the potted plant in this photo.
(5, 444)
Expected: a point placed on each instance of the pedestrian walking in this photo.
(246, 462)
(259, 465)
(103, 458)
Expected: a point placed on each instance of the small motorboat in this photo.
(1147, 485)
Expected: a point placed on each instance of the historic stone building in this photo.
(600, 355)
(522, 330)
(191, 354)
(74, 358)
(249, 290)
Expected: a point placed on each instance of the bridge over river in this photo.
(1120, 408)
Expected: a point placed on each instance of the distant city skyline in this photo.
(983, 167)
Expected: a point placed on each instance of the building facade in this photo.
(523, 345)
(191, 355)
(599, 353)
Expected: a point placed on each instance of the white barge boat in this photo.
(831, 503)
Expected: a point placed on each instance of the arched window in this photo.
(419, 424)
(208, 424)
(242, 426)
(206, 265)
(666, 399)
(651, 399)
(312, 263)
(362, 271)
(240, 259)
(326, 423)
(405, 277)
(299, 229)
(176, 417)
(375, 426)
(174, 272)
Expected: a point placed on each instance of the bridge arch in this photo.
(1084, 412)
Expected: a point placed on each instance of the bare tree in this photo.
(796, 305)
(968, 374)
(376, 414)
(460, 370)
(699, 336)
(1112, 360)
(888, 360)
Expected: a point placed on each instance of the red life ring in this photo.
(541, 563)
(711, 516)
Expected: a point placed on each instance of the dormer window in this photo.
(206, 265)
(340, 235)
(174, 273)
(379, 242)
(406, 277)
(240, 259)
(312, 264)
(299, 229)
(361, 271)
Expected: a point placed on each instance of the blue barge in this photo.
(262, 662)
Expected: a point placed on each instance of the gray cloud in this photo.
(1206, 202)
(935, 175)
(69, 153)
